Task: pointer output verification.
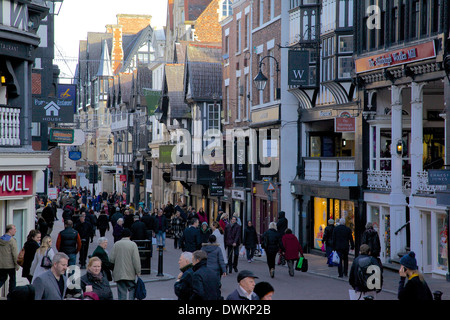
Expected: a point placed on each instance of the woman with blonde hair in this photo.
(95, 280)
(44, 250)
(272, 244)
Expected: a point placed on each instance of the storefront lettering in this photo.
(13, 183)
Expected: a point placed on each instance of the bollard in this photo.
(437, 295)
(160, 261)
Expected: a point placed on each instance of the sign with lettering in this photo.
(348, 179)
(439, 177)
(398, 57)
(344, 124)
(216, 189)
(15, 183)
(67, 94)
(52, 110)
(58, 135)
(298, 65)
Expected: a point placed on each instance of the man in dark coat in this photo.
(191, 239)
(183, 285)
(138, 230)
(327, 240)
(282, 223)
(205, 282)
(69, 242)
(250, 240)
(342, 240)
(246, 280)
(232, 239)
(149, 222)
(371, 238)
(49, 217)
(86, 232)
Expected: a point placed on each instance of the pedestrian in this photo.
(149, 222)
(191, 239)
(49, 217)
(117, 230)
(416, 287)
(115, 216)
(217, 231)
(177, 225)
(69, 242)
(128, 219)
(202, 216)
(371, 238)
(205, 282)
(215, 259)
(102, 223)
(250, 240)
(101, 253)
(246, 287)
(8, 257)
(95, 280)
(342, 241)
(92, 219)
(282, 223)
(223, 219)
(85, 230)
(52, 284)
(293, 250)
(161, 227)
(327, 240)
(44, 250)
(232, 238)
(30, 246)
(264, 290)
(272, 244)
(41, 224)
(138, 229)
(363, 267)
(127, 265)
(183, 284)
(205, 232)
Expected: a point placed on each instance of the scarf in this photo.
(95, 277)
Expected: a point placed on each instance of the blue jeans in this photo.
(72, 259)
(161, 238)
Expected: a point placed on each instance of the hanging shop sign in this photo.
(52, 110)
(298, 65)
(58, 135)
(398, 57)
(344, 123)
(14, 183)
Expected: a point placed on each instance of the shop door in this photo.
(264, 226)
(385, 235)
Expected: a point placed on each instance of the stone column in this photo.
(397, 197)
(416, 133)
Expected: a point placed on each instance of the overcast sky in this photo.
(78, 17)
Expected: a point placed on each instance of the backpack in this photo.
(141, 292)
(363, 274)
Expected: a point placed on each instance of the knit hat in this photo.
(409, 261)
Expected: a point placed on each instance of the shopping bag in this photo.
(335, 259)
(141, 292)
(304, 267)
(299, 264)
(242, 252)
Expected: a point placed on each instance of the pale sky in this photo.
(78, 17)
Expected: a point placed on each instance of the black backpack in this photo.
(363, 274)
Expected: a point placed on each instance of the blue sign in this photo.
(75, 155)
(67, 94)
(348, 180)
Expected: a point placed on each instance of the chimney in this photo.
(117, 48)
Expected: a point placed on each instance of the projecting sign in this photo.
(298, 65)
(439, 177)
(58, 135)
(52, 110)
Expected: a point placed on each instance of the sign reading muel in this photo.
(15, 183)
(298, 64)
(398, 57)
(52, 110)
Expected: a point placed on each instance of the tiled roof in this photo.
(174, 74)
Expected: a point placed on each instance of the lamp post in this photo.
(261, 80)
(158, 114)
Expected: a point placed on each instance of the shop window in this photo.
(442, 242)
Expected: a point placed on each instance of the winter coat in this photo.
(161, 223)
(116, 216)
(126, 260)
(149, 221)
(99, 285)
(271, 241)
(232, 234)
(205, 234)
(202, 217)
(238, 294)
(85, 230)
(282, 223)
(370, 237)
(117, 232)
(48, 215)
(414, 290)
(36, 270)
(191, 239)
(342, 238)
(220, 241)
(30, 249)
(360, 264)
(138, 231)
(292, 247)
(103, 222)
(8, 252)
(205, 282)
(250, 237)
(68, 241)
(215, 259)
(183, 287)
(328, 236)
(107, 266)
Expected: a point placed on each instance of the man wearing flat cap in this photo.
(244, 291)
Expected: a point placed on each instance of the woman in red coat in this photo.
(292, 249)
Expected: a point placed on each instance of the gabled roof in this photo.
(174, 90)
(194, 8)
(203, 72)
(132, 43)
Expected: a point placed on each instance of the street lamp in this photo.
(55, 6)
(261, 80)
(158, 114)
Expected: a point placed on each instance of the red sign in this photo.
(123, 177)
(344, 124)
(15, 183)
(407, 55)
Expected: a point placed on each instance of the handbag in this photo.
(46, 261)
(141, 292)
(21, 257)
(304, 267)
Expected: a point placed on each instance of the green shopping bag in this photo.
(299, 265)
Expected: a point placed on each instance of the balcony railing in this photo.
(327, 169)
(423, 187)
(9, 126)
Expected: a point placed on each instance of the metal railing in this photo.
(9, 126)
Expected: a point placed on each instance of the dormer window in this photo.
(226, 8)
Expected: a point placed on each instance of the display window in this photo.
(442, 242)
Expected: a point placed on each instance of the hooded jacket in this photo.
(215, 259)
(8, 252)
(282, 223)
